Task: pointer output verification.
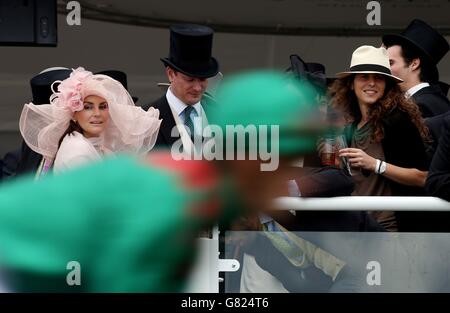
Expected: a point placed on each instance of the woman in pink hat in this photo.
(89, 116)
(386, 135)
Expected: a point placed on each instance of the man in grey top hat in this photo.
(188, 67)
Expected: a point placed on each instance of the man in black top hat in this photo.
(188, 67)
(414, 55)
(121, 77)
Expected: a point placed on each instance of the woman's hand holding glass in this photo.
(358, 158)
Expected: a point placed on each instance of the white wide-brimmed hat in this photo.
(370, 60)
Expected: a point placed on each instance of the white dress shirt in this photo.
(178, 107)
(411, 91)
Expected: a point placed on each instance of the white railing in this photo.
(370, 203)
(205, 276)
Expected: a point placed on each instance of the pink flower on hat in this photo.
(69, 91)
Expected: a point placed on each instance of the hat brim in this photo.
(393, 39)
(346, 74)
(210, 72)
(163, 86)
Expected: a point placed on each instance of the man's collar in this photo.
(179, 105)
(411, 91)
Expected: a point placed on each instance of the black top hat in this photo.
(41, 84)
(318, 70)
(120, 76)
(190, 51)
(313, 72)
(432, 45)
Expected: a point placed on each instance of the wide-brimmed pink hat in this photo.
(130, 128)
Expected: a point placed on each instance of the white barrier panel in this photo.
(205, 275)
(370, 203)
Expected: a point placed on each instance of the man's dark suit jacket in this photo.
(438, 181)
(20, 162)
(165, 140)
(168, 122)
(8, 166)
(435, 125)
(29, 161)
(431, 101)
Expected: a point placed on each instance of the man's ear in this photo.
(170, 74)
(415, 64)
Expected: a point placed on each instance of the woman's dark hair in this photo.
(73, 126)
(345, 101)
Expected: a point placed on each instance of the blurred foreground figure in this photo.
(131, 226)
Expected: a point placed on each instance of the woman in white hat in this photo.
(386, 133)
(88, 117)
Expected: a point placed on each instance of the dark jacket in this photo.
(431, 101)
(438, 181)
(8, 166)
(164, 140)
(435, 126)
(402, 146)
(325, 182)
(29, 161)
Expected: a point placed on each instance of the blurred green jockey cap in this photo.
(270, 98)
(131, 227)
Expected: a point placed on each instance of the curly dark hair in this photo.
(344, 100)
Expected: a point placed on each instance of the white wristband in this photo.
(377, 166)
(380, 167)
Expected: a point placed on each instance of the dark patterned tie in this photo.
(188, 121)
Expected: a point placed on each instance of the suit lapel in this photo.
(165, 113)
(168, 121)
